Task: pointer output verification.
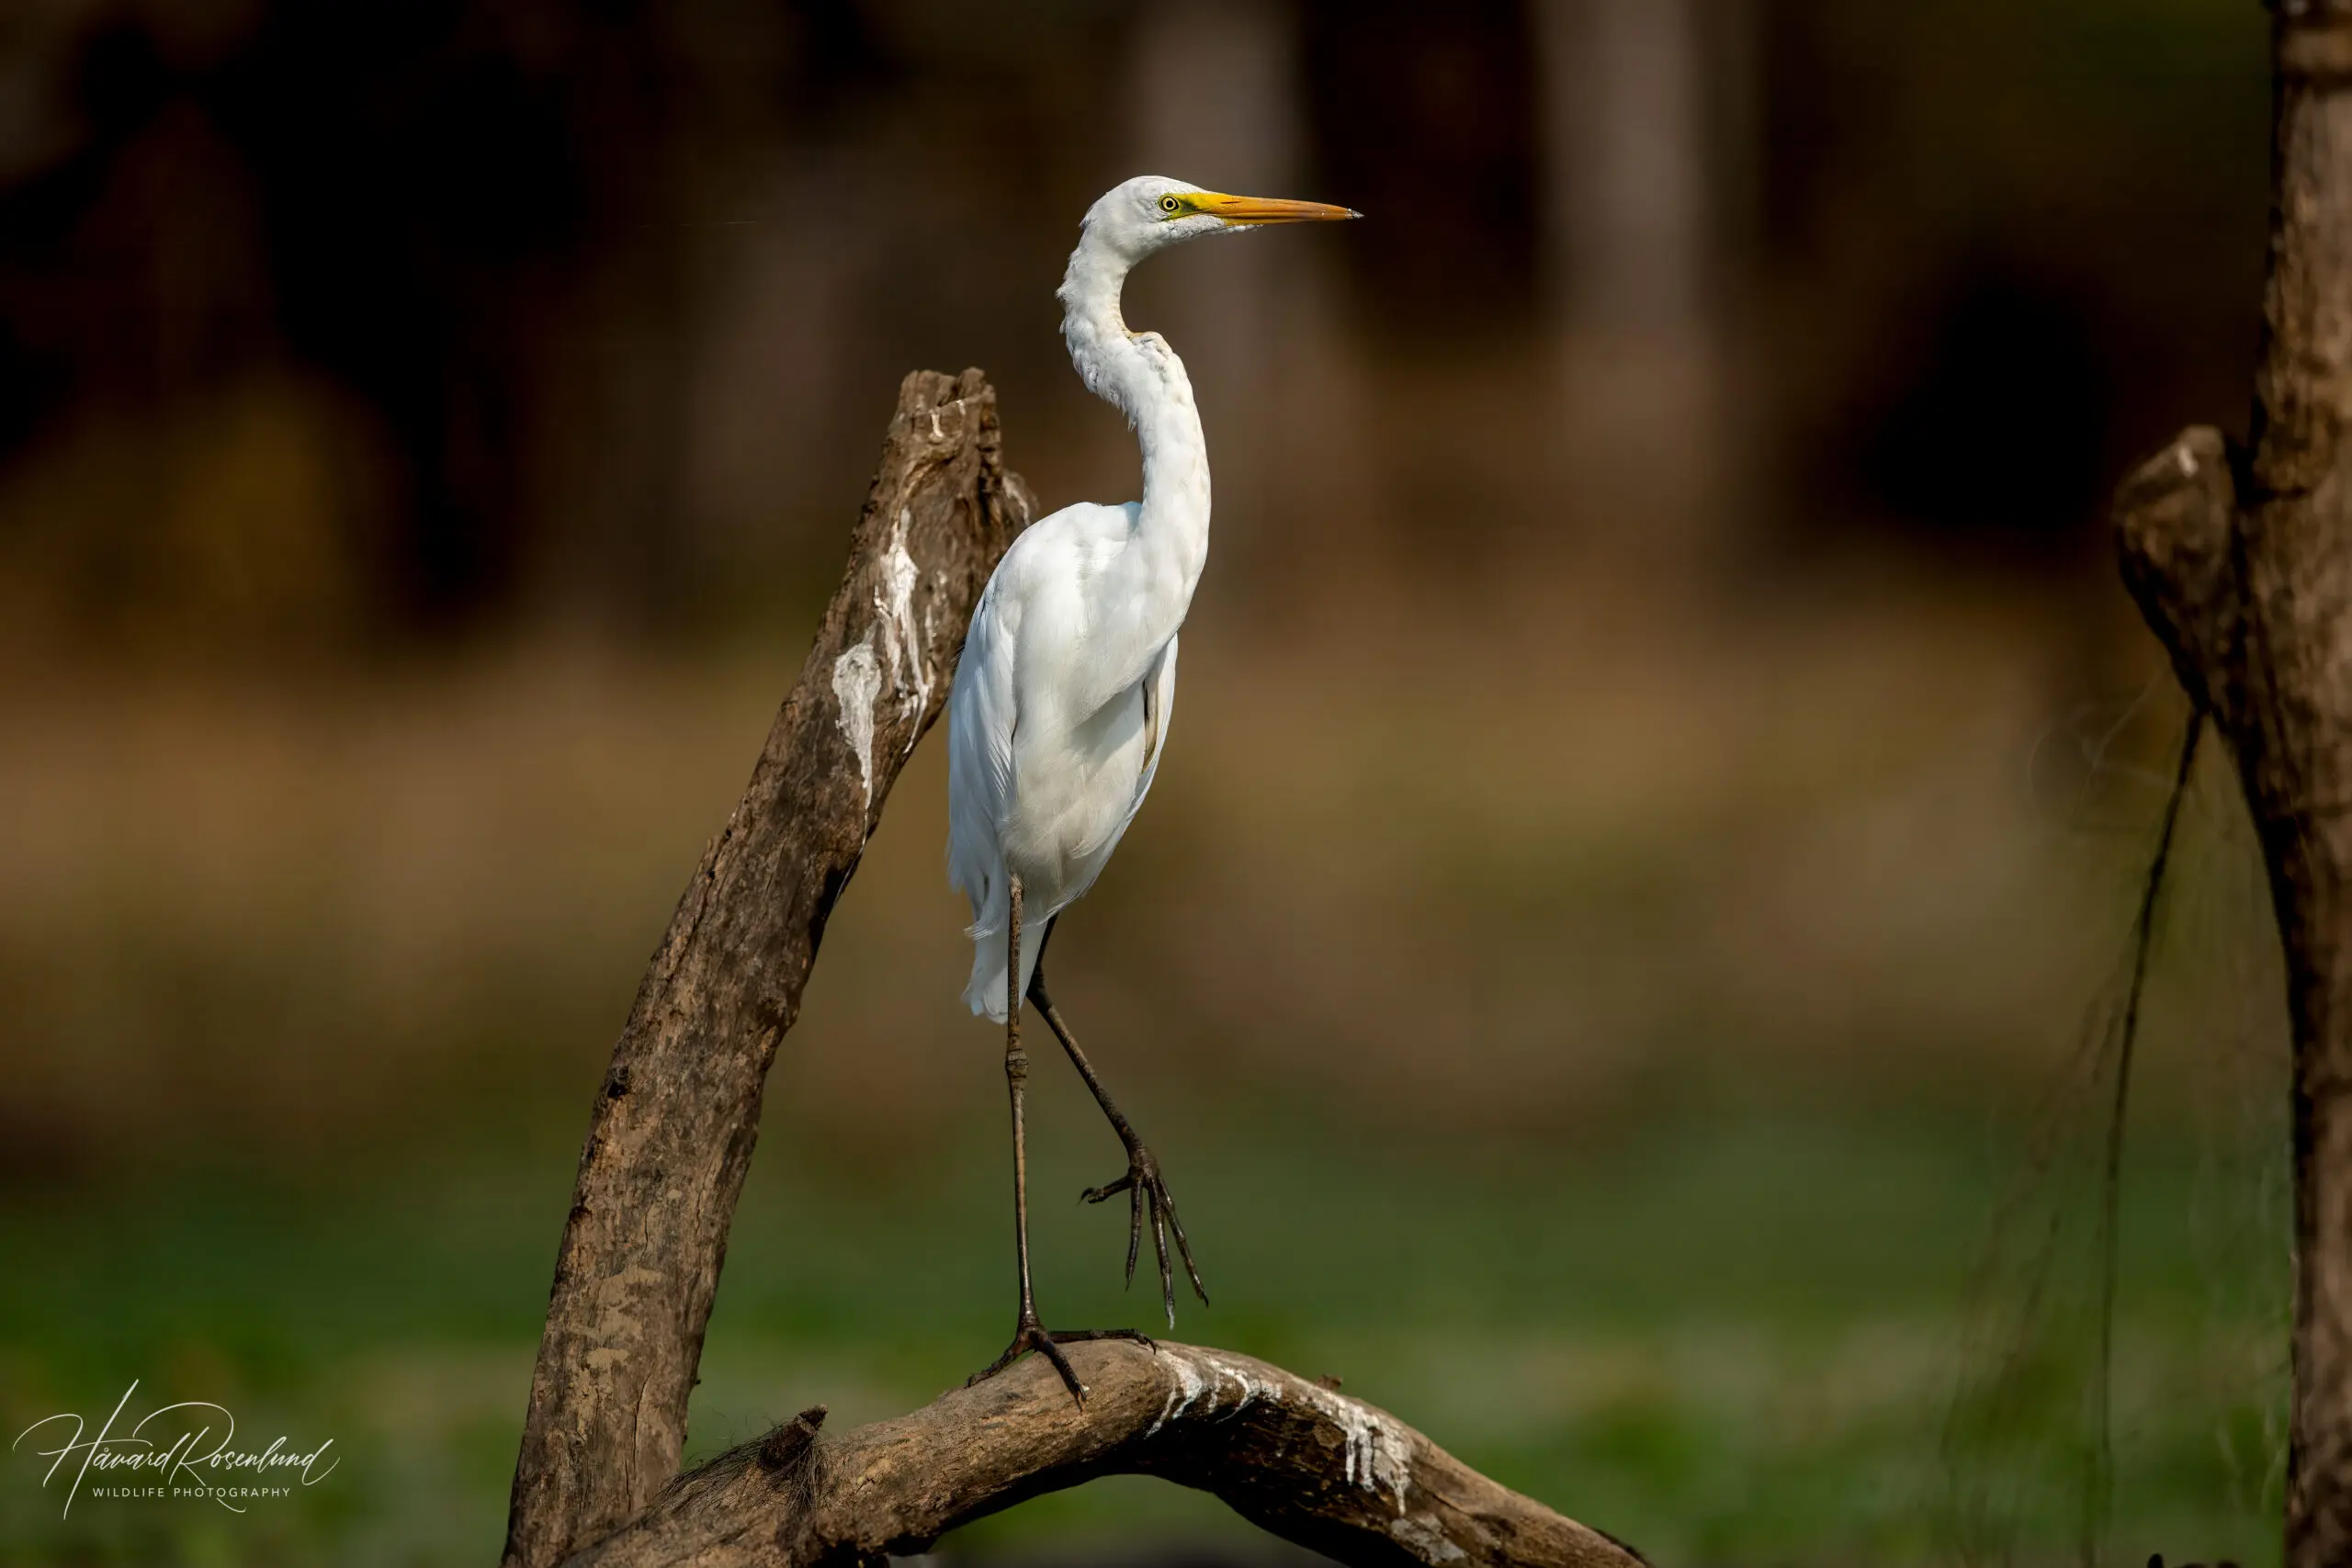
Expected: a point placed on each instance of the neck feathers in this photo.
(1100, 344)
(1138, 375)
(1146, 590)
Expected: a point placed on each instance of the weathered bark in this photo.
(1301, 1459)
(678, 1112)
(2242, 562)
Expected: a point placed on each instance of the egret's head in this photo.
(1150, 212)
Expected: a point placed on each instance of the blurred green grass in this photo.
(1627, 1099)
(1727, 1337)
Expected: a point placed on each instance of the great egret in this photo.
(1062, 698)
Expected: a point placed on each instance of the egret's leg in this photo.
(1028, 1333)
(1147, 1191)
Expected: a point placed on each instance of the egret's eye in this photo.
(1171, 206)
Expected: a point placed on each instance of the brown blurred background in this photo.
(1659, 685)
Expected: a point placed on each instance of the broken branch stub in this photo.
(2173, 522)
(673, 1127)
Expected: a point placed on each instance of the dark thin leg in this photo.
(1147, 1191)
(1028, 1333)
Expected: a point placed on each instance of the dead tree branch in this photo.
(673, 1125)
(671, 1134)
(2242, 562)
(1301, 1459)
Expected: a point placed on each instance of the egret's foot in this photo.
(1148, 1196)
(1029, 1335)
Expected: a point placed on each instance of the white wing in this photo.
(980, 713)
(1158, 705)
(1047, 572)
(1034, 615)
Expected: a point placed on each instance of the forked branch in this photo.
(671, 1134)
(670, 1138)
(1298, 1459)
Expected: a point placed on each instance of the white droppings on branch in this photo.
(902, 638)
(857, 682)
(859, 675)
(1251, 1385)
(1378, 1450)
(1379, 1456)
(1189, 1388)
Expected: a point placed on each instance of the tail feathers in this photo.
(986, 993)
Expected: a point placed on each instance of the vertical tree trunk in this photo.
(1632, 207)
(2295, 739)
(1625, 93)
(2243, 562)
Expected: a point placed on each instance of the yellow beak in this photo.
(1254, 210)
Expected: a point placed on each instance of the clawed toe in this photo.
(1096, 1194)
(1147, 1199)
(1029, 1335)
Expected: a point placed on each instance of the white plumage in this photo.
(1063, 697)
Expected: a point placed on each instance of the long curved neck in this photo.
(1145, 593)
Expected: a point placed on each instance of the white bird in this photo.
(1062, 698)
